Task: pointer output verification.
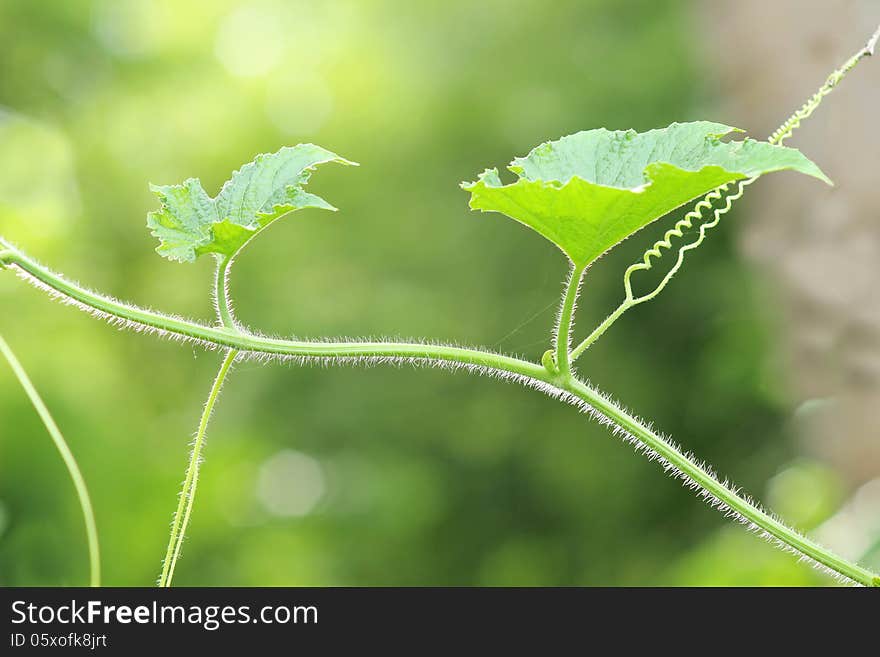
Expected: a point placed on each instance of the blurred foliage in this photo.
(364, 476)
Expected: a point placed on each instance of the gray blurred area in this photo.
(819, 246)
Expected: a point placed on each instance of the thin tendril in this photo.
(722, 193)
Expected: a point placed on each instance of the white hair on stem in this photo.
(452, 365)
(615, 429)
(121, 323)
(557, 322)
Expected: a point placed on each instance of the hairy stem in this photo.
(175, 327)
(221, 293)
(599, 331)
(692, 472)
(187, 497)
(534, 374)
(79, 483)
(187, 494)
(778, 137)
(566, 314)
(794, 121)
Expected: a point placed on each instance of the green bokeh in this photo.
(407, 476)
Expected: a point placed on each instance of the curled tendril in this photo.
(677, 231)
(722, 193)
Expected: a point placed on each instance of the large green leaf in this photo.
(190, 223)
(591, 190)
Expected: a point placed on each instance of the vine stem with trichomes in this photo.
(79, 483)
(188, 493)
(571, 390)
(187, 496)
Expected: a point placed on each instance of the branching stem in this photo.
(554, 378)
(530, 373)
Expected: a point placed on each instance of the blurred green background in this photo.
(369, 476)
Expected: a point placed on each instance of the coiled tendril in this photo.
(723, 193)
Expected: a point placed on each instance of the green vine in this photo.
(561, 363)
(574, 391)
(188, 494)
(561, 187)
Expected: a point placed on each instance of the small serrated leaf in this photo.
(190, 223)
(591, 190)
(183, 223)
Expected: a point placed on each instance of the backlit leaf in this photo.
(190, 223)
(591, 190)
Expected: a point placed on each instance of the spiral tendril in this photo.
(722, 193)
(677, 231)
(794, 121)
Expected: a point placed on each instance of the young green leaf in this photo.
(190, 223)
(591, 190)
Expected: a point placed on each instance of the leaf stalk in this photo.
(566, 320)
